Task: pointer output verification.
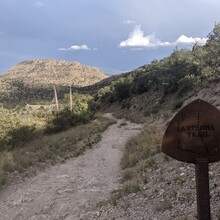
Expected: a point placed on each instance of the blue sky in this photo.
(110, 34)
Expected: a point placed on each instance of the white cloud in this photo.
(39, 4)
(78, 47)
(190, 40)
(137, 39)
(129, 22)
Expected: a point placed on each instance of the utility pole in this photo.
(71, 99)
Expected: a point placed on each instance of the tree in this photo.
(212, 54)
(122, 88)
(71, 99)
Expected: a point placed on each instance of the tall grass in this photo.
(141, 147)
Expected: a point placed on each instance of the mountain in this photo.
(50, 72)
(34, 80)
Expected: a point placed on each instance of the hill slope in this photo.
(34, 80)
(47, 72)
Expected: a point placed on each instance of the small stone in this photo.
(98, 213)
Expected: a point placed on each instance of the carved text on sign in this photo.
(197, 131)
(194, 133)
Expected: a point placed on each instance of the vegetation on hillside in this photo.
(176, 74)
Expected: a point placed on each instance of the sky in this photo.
(114, 35)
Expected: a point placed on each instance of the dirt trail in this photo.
(70, 191)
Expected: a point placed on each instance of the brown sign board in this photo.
(194, 133)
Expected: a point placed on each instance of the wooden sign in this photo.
(194, 133)
(193, 136)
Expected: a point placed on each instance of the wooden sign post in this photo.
(193, 136)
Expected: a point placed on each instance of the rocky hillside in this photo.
(34, 80)
(50, 72)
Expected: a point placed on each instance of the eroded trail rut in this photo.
(70, 191)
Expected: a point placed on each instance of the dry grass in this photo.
(164, 205)
(53, 148)
(119, 112)
(138, 157)
(142, 147)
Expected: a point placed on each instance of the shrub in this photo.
(14, 130)
(177, 104)
(83, 108)
(126, 103)
(104, 93)
(20, 136)
(122, 88)
(170, 86)
(140, 85)
(131, 186)
(66, 119)
(155, 109)
(80, 102)
(186, 84)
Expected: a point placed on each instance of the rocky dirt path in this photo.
(70, 191)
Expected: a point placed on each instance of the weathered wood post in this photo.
(202, 189)
(193, 136)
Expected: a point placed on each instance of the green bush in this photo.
(80, 102)
(122, 89)
(177, 104)
(170, 86)
(15, 130)
(186, 84)
(66, 119)
(83, 108)
(126, 103)
(140, 85)
(20, 136)
(104, 93)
